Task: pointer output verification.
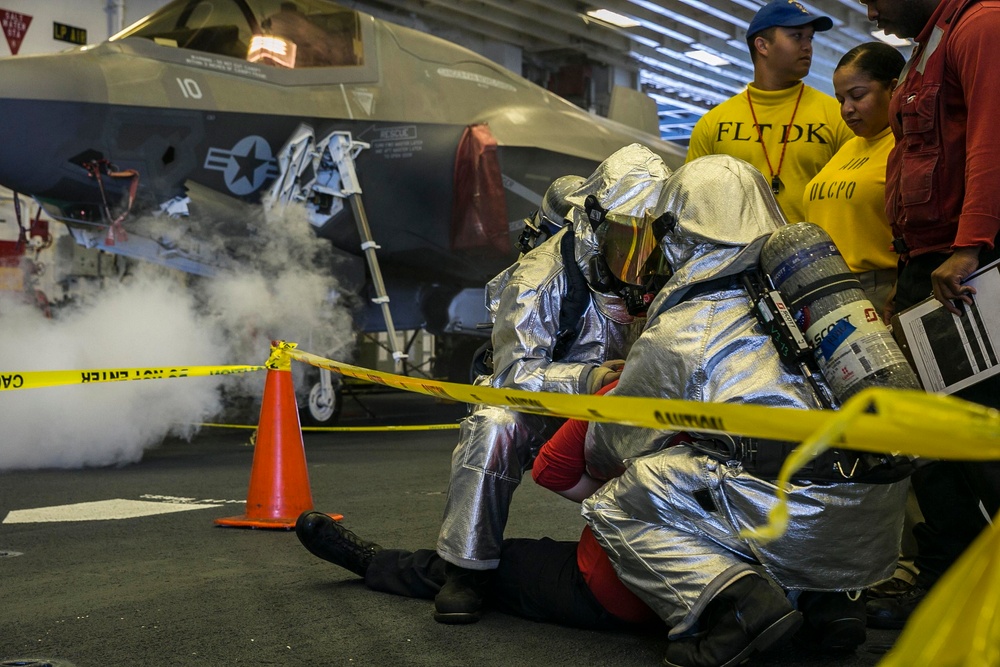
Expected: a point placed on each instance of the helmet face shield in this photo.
(629, 247)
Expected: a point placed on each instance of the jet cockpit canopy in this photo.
(292, 34)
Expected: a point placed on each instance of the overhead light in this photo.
(707, 58)
(614, 18)
(891, 40)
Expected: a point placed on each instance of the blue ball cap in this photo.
(786, 14)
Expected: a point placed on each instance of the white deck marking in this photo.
(101, 510)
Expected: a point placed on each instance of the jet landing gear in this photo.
(311, 171)
(325, 400)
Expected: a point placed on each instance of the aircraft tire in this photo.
(319, 410)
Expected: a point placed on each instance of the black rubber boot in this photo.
(460, 600)
(834, 622)
(892, 613)
(329, 540)
(744, 618)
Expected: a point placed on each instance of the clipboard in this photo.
(951, 352)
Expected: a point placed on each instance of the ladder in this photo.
(334, 173)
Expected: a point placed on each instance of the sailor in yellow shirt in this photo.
(847, 197)
(783, 127)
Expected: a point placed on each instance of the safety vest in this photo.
(922, 200)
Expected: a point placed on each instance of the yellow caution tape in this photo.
(931, 426)
(279, 359)
(34, 379)
(906, 421)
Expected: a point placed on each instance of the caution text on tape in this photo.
(35, 379)
(903, 421)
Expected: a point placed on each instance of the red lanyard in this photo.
(775, 181)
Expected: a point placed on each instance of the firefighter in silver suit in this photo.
(670, 518)
(534, 350)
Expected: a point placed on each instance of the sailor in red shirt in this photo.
(561, 467)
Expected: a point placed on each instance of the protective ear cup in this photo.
(602, 279)
(530, 234)
(663, 225)
(595, 212)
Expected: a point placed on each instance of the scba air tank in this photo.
(853, 349)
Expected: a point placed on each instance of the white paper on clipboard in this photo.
(950, 352)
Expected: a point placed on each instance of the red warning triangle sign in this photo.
(14, 27)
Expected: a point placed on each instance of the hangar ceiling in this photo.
(578, 56)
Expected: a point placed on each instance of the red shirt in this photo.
(560, 463)
(558, 467)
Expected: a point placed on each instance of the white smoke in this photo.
(283, 289)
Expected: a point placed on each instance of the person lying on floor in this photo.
(570, 583)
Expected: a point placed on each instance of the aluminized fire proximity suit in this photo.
(495, 444)
(671, 520)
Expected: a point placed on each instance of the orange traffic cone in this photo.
(279, 482)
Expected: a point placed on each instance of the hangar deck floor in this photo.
(174, 589)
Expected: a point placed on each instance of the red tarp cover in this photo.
(479, 209)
